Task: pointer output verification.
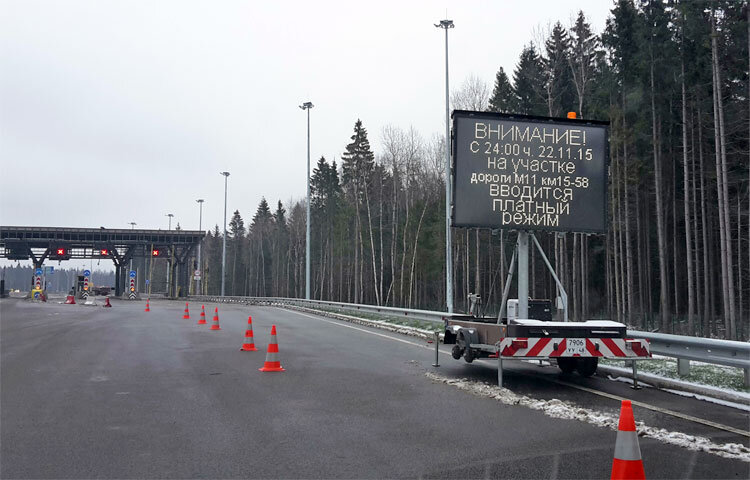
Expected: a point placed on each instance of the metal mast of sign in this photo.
(307, 106)
(224, 244)
(200, 267)
(446, 24)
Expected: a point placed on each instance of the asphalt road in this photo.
(88, 392)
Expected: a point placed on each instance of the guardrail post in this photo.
(747, 378)
(635, 375)
(683, 367)
(437, 351)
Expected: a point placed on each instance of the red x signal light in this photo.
(61, 251)
(155, 253)
(104, 252)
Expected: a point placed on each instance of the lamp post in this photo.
(447, 24)
(200, 265)
(170, 215)
(307, 106)
(224, 243)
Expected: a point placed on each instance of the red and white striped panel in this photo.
(559, 347)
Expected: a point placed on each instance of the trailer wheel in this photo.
(587, 366)
(469, 355)
(567, 365)
(457, 352)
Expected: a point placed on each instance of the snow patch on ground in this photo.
(738, 406)
(559, 409)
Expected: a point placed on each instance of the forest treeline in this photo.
(672, 80)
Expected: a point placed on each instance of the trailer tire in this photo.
(587, 366)
(469, 355)
(567, 364)
(457, 352)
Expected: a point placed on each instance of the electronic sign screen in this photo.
(529, 173)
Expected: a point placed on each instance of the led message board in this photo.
(529, 173)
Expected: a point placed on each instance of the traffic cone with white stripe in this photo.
(202, 320)
(272, 363)
(187, 312)
(215, 324)
(249, 345)
(627, 463)
(147, 309)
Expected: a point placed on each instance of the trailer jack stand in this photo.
(499, 370)
(437, 350)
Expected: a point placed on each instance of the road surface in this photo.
(119, 393)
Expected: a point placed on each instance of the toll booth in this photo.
(78, 287)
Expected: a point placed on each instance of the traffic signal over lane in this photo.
(59, 253)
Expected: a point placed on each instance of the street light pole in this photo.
(307, 106)
(200, 265)
(224, 245)
(170, 215)
(446, 24)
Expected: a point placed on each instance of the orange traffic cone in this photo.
(187, 313)
(215, 325)
(106, 302)
(249, 345)
(147, 309)
(627, 463)
(202, 320)
(272, 363)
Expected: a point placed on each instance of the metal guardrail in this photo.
(708, 350)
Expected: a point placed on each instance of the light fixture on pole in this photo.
(447, 24)
(307, 106)
(224, 243)
(170, 215)
(200, 265)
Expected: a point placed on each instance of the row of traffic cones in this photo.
(272, 363)
(627, 463)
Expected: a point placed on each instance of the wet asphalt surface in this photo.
(88, 392)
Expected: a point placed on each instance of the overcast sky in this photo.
(123, 111)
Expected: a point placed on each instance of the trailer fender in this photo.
(451, 332)
(467, 336)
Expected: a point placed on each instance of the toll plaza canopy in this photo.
(121, 245)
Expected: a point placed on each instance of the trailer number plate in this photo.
(575, 346)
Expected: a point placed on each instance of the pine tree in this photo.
(357, 165)
(235, 241)
(528, 83)
(582, 59)
(261, 258)
(558, 78)
(503, 98)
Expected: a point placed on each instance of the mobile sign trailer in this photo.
(525, 173)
